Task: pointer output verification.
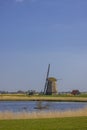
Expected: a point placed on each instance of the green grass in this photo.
(59, 95)
(69, 123)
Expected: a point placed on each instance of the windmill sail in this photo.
(46, 82)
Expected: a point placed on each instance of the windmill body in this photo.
(51, 86)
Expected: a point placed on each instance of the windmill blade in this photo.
(48, 72)
(45, 87)
(46, 82)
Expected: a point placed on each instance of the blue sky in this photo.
(34, 33)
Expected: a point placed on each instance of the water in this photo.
(29, 106)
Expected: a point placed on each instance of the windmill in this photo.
(50, 84)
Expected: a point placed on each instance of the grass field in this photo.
(69, 123)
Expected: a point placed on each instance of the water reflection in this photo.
(40, 105)
(29, 106)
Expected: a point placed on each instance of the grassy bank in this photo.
(70, 123)
(42, 114)
(43, 98)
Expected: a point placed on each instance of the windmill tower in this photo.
(50, 84)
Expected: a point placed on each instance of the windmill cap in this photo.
(52, 79)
